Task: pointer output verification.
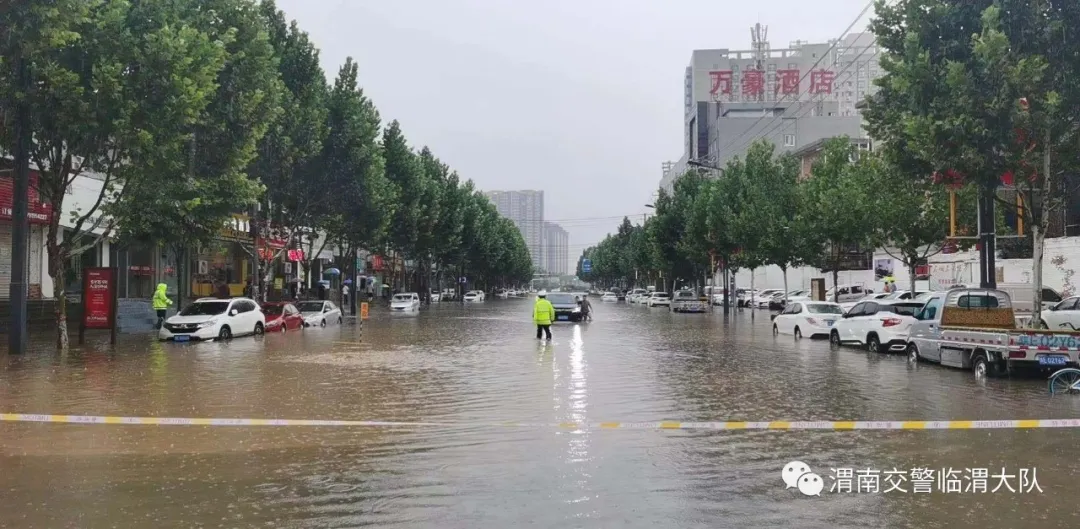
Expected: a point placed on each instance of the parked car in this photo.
(609, 297)
(812, 319)
(880, 325)
(659, 299)
(848, 293)
(214, 319)
(406, 302)
(474, 296)
(763, 297)
(282, 317)
(1063, 316)
(319, 313)
(435, 296)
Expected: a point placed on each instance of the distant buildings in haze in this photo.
(548, 243)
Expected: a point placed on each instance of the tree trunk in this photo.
(912, 275)
(56, 271)
(753, 296)
(1038, 235)
(836, 282)
(784, 270)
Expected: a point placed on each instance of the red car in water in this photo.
(282, 317)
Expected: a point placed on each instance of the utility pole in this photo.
(19, 210)
(256, 233)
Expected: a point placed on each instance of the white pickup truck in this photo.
(975, 328)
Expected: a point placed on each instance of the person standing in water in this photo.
(161, 303)
(543, 315)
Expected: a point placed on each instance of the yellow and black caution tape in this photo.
(660, 425)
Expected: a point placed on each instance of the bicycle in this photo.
(1065, 381)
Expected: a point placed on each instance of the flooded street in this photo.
(476, 366)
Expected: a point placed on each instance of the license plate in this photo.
(1053, 360)
(181, 338)
(830, 322)
(564, 318)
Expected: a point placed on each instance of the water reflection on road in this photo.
(477, 365)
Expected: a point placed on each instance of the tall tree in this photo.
(298, 188)
(837, 213)
(358, 211)
(983, 91)
(406, 176)
(117, 90)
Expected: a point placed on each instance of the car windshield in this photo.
(660, 295)
(205, 308)
(403, 297)
(824, 309)
(273, 310)
(561, 299)
(685, 295)
(310, 306)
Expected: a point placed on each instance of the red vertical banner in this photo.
(99, 300)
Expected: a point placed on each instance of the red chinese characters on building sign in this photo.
(721, 82)
(753, 83)
(787, 82)
(38, 211)
(821, 81)
(377, 262)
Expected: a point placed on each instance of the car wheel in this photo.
(873, 344)
(913, 353)
(322, 323)
(834, 339)
(798, 334)
(981, 366)
(225, 333)
(284, 328)
(259, 329)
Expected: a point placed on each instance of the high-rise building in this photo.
(556, 249)
(526, 210)
(793, 96)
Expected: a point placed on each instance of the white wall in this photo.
(945, 269)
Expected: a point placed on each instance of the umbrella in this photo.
(348, 281)
(332, 272)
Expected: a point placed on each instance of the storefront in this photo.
(225, 261)
(38, 213)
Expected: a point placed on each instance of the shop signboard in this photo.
(98, 301)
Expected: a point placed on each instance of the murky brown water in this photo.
(475, 365)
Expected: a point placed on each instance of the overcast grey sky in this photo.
(580, 98)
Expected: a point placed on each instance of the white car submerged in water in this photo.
(214, 319)
(319, 313)
(407, 302)
(474, 296)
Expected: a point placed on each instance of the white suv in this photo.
(213, 318)
(880, 325)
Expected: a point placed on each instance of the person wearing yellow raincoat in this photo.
(543, 315)
(161, 303)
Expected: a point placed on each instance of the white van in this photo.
(1023, 296)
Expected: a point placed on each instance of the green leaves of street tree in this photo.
(117, 88)
(837, 213)
(985, 87)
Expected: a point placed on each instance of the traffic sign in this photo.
(586, 265)
(461, 280)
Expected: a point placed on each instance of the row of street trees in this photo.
(978, 96)
(193, 110)
(760, 212)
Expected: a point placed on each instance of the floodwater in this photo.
(474, 367)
